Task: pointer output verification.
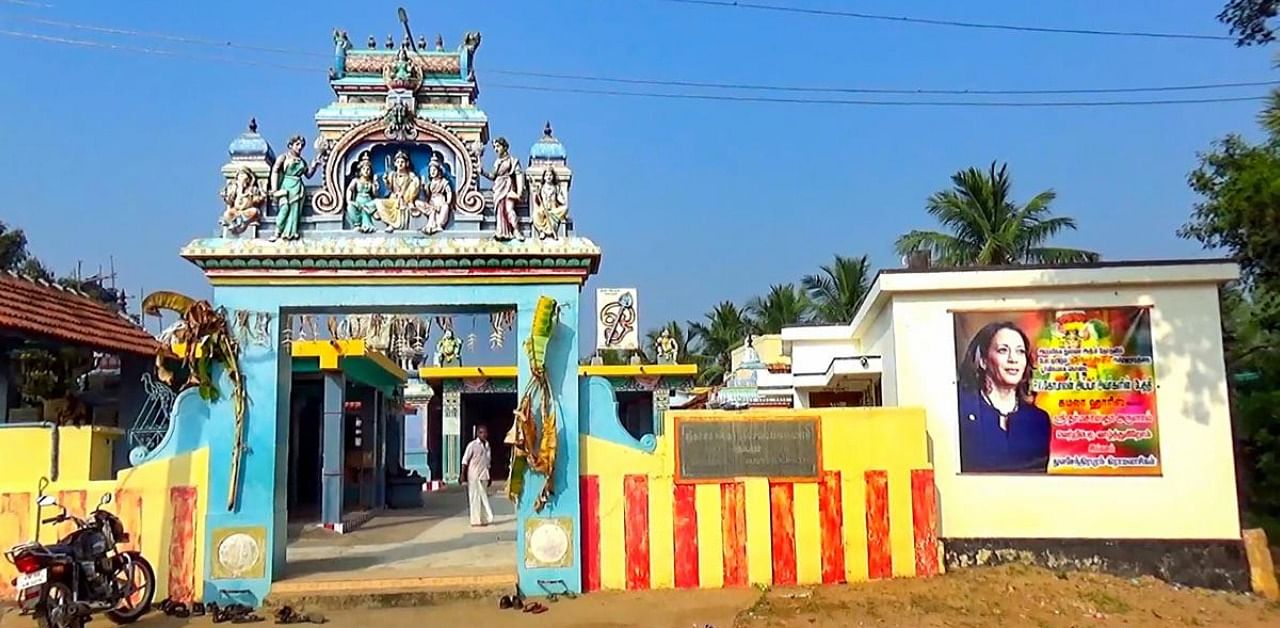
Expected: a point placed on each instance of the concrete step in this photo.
(369, 593)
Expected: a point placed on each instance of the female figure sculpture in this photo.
(288, 187)
(449, 350)
(244, 201)
(439, 198)
(403, 189)
(361, 193)
(550, 207)
(508, 189)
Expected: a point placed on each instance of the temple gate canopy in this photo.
(392, 209)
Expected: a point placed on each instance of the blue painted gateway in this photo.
(343, 260)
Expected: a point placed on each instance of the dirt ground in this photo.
(1012, 596)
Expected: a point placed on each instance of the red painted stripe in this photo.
(782, 522)
(15, 510)
(733, 526)
(635, 513)
(686, 536)
(831, 517)
(924, 521)
(182, 545)
(129, 509)
(879, 556)
(590, 533)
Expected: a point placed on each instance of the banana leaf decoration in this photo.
(208, 338)
(533, 450)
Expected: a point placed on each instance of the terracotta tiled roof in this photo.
(40, 309)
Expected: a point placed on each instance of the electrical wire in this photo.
(641, 81)
(155, 51)
(953, 23)
(881, 90)
(894, 103)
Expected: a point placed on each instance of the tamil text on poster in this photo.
(1068, 392)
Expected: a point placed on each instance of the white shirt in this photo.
(477, 459)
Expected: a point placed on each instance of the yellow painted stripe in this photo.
(710, 543)
(464, 372)
(662, 565)
(854, 504)
(633, 370)
(613, 550)
(901, 528)
(808, 534)
(759, 532)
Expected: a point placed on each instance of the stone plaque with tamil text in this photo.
(721, 449)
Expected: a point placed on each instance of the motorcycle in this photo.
(64, 584)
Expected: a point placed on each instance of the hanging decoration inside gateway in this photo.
(531, 450)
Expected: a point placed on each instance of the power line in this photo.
(722, 97)
(155, 51)
(934, 22)
(894, 103)
(167, 37)
(882, 90)
(635, 81)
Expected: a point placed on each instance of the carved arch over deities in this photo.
(330, 199)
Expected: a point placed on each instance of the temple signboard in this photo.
(715, 450)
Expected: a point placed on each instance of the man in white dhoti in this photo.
(475, 472)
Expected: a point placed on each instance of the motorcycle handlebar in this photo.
(52, 520)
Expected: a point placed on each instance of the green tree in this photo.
(1249, 20)
(784, 306)
(14, 256)
(723, 329)
(985, 227)
(837, 291)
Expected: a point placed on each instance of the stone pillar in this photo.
(417, 427)
(451, 430)
(380, 431)
(334, 449)
(661, 403)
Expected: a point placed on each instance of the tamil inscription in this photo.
(709, 450)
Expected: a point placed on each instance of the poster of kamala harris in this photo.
(1069, 392)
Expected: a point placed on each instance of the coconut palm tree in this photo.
(984, 226)
(724, 329)
(784, 306)
(838, 290)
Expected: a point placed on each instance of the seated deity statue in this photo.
(440, 198)
(361, 197)
(550, 206)
(404, 189)
(244, 199)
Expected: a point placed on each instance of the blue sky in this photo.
(113, 153)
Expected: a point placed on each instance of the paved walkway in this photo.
(437, 540)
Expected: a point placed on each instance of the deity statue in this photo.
(341, 44)
(287, 186)
(403, 188)
(508, 189)
(361, 197)
(439, 198)
(402, 73)
(550, 206)
(449, 350)
(244, 199)
(666, 348)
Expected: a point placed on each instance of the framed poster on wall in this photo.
(1063, 392)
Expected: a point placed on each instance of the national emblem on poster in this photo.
(617, 324)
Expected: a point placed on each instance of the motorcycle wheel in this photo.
(58, 609)
(138, 602)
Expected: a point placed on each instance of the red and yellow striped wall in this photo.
(871, 514)
(161, 504)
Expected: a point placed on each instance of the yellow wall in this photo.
(146, 510)
(768, 347)
(854, 441)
